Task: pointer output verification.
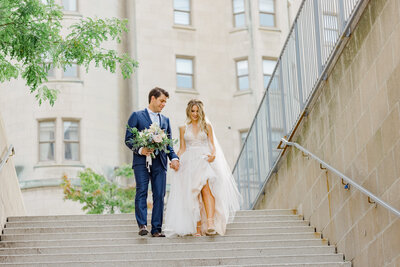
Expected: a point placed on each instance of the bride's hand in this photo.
(210, 158)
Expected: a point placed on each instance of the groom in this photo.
(157, 175)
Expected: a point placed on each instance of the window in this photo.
(47, 140)
(242, 72)
(182, 12)
(184, 73)
(331, 28)
(239, 18)
(69, 5)
(267, 13)
(268, 69)
(71, 71)
(243, 135)
(71, 140)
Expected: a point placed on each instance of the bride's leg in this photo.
(198, 229)
(209, 204)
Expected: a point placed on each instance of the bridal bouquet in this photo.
(153, 138)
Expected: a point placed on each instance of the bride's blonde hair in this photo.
(202, 117)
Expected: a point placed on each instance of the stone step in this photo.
(151, 241)
(131, 228)
(87, 239)
(94, 248)
(322, 264)
(123, 263)
(283, 234)
(130, 222)
(82, 260)
(96, 217)
(174, 254)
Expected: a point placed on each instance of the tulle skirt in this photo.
(185, 206)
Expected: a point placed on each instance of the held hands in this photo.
(147, 151)
(210, 158)
(174, 165)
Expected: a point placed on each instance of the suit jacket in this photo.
(141, 120)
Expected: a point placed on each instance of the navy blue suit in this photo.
(157, 175)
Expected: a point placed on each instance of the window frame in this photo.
(192, 58)
(77, 77)
(325, 36)
(262, 66)
(183, 11)
(70, 11)
(267, 13)
(54, 141)
(238, 13)
(64, 142)
(239, 76)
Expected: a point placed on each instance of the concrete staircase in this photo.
(255, 238)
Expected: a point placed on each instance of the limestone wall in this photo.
(354, 125)
(11, 202)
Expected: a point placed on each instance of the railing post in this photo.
(317, 36)
(341, 14)
(258, 153)
(247, 175)
(269, 133)
(299, 81)
(282, 97)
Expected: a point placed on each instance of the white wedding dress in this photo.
(184, 206)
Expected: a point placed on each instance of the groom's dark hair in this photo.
(156, 92)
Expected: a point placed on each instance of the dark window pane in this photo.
(240, 20)
(184, 66)
(238, 6)
(267, 6)
(69, 5)
(71, 151)
(182, 5)
(242, 67)
(46, 131)
(46, 151)
(71, 130)
(184, 81)
(266, 80)
(71, 71)
(243, 83)
(267, 20)
(182, 18)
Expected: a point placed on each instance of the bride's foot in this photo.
(198, 228)
(211, 226)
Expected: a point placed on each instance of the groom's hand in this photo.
(147, 151)
(174, 165)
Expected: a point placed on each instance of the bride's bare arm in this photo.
(211, 141)
(182, 144)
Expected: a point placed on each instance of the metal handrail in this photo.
(344, 177)
(10, 153)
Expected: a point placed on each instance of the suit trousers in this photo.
(157, 177)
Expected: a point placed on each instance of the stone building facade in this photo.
(221, 52)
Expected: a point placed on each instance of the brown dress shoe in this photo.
(157, 234)
(143, 230)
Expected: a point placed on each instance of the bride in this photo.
(203, 195)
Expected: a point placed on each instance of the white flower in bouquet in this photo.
(157, 138)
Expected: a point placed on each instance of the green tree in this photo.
(100, 195)
(31, 43)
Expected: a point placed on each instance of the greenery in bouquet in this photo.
(153, 138)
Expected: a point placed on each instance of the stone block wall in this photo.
(354, 125)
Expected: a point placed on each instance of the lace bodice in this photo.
(193, 140)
